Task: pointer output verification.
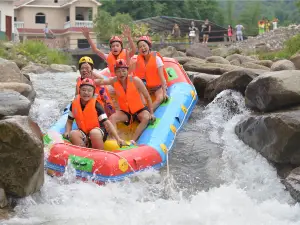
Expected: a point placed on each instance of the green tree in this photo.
(103, 25)
(250, 16)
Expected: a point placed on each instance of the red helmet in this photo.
(116, 39)
(121, 63)
(88, 81)
(146, 39)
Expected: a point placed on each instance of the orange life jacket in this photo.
(149, 71)
(104, 99)
(87, 119)
(111, 60)
(130, 100)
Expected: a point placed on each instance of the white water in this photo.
(242, 187)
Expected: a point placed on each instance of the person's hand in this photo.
(86, 32)
(126, 31)
(121, 142)
(165, 96)
(66, 135)
(152, 118)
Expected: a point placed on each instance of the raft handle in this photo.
(177, 118)
(79, 163)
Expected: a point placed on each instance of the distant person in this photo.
(261, 27)
(229, 33)
(274, 23)
(206, 28)
(176, 31)
(192, 34)
(268, 25)
(48, 33)
(239, 32)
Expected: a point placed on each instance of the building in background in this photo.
(6, 19)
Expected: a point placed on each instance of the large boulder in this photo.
(234, 80)
(217, 59)
(275, 136)
(224, 51)
(10, 72)
(296, 60)
(200, 81)
(13, 103)
(21, 156)
(283, 65)
(171, 52)
(241, 58)
(56, 68)
(267, 63)
(198, 50)
(24, 89)
(252, 65)
(35, 68)
(292, 182)
(209, 68)
(274, 90)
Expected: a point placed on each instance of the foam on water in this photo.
(250, 191)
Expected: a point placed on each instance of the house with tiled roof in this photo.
(6, 19)
(64, 18)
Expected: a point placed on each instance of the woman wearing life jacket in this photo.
(116, 48)
(90, 118)
(149, 67)
(86, 65)
(129, 92)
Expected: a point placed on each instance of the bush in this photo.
(38, 52)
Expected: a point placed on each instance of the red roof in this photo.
(55, 31)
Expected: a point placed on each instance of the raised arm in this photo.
(86, 33)
(101, 81)
(127, 33)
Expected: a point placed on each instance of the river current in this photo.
(213, 178)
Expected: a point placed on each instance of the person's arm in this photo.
(69, 124)
(127, 33)
(162, 78)
(100, 81)
(86, 34)
(142, 89)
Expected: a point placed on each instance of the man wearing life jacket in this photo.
(116, 48)
(86, 66)
(149, 67)
(90, 118)
(129, 92)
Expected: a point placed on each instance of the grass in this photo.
(35, 51)
(291, 47)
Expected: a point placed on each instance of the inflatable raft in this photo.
(115, 163)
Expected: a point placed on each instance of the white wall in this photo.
(7, 9)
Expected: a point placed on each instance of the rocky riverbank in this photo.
(21, 140)
(272, 93)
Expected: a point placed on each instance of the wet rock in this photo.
(10, 72)
(274, 90)
(275, 136)
(217, 59)
(235, 80)
(21, 156)
(201, 80)
(24, 89)
(13, 103)
(199, 50)
(283, 65)
(55, 68)
(3, 199)
(35, 68)
(292, 182)
(296, 60)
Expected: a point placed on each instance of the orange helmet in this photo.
(121, 63)
(116, 39)
(89, 82)
(146, 39)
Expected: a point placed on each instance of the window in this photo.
(82, 43)
(55, 1)
(40, 18)
(67, 18)
(79, 17)
(0, 20)
(15, 19)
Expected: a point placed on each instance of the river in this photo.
(213, 179)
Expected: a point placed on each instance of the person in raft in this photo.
(149, 67)
(90, 118)
(116, 48)
(86, 66)
(129, 91)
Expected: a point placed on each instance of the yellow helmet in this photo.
(85, 59)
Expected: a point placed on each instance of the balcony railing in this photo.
(19, 24)
(79, 23)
